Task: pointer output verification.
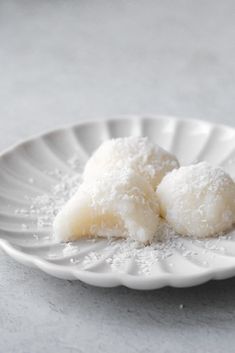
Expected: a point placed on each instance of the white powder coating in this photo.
(119, 204)
(138, 153)
(198, 200)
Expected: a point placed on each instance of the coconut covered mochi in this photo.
(128, 183)
(137, 153)
(118, 204)
(198, 200)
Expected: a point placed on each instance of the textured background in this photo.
(62, 61)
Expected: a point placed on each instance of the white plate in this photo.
(34, 167)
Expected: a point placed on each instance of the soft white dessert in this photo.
(198, 200)
(138, 153)
(119, 204)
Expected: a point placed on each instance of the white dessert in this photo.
(118, 204)
(198, 200)
(138, 153)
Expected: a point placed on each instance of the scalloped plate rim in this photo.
(114, 279)
(63, 127)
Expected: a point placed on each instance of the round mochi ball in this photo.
(136, 153)
(198, 200)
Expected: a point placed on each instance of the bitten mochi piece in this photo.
(198, 200)
(117, 205)
(138, 153)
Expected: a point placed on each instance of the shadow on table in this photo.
(211, 304)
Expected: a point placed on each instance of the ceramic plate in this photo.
(39, 175)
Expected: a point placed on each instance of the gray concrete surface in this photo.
(62, 61)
